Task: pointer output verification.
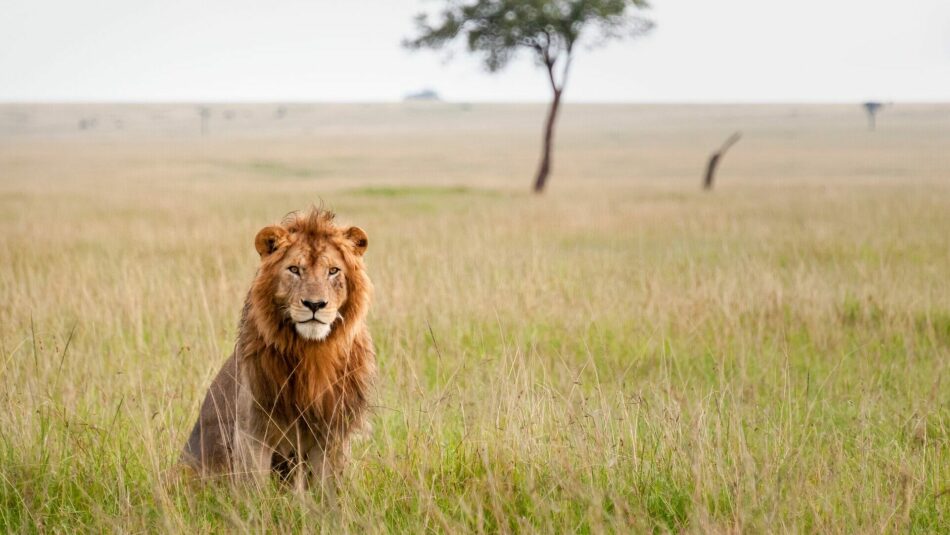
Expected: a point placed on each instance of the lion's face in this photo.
(305, 274)
(312, 288)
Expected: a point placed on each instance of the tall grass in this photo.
(604, 359)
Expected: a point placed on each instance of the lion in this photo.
(295, 390)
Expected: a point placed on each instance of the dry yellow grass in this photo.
(624, 353)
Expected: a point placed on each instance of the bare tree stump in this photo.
(714, 160)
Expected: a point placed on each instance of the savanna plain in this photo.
(625, 353)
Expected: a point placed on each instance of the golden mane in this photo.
(307, 375)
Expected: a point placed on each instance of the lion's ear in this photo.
(357, 237)
(269, 239)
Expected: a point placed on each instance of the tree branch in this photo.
(565, 70)
(550, 67)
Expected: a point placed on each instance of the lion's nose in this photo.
(314, 305)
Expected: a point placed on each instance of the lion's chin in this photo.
(313, 330)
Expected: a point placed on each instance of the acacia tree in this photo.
(551, 30)
(872, 108)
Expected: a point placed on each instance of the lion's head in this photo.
(311, 283)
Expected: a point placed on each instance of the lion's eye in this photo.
(334, 270)
(294, 269)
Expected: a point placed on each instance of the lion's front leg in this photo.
(324, 466)
(253, 450)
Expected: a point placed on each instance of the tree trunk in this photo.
(545, 166)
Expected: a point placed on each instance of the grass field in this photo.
(623, 354)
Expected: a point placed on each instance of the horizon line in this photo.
(711, 102)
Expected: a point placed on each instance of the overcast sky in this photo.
(349, 50)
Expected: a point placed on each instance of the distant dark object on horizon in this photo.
(872, 108)
(205, 113)
(87, 123)
(424, 95)
(716, 157)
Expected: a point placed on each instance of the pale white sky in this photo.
(349, 50)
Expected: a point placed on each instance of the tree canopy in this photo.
(551, 30)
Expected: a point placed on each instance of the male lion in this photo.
(295, 389)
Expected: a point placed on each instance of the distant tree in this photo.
(205, 113)
(872, 108)
(550, 30)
